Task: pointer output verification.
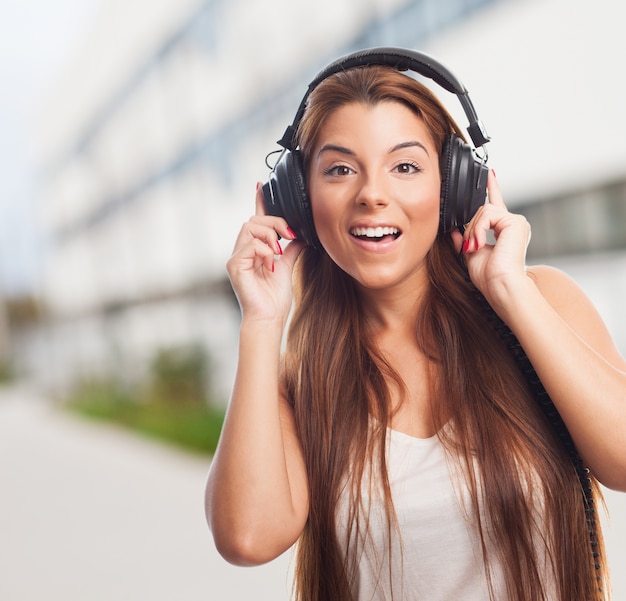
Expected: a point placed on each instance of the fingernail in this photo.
(258, 185)
(494, 172)
(279, 250)
(465, 245)
(291, 233)
(272, 266)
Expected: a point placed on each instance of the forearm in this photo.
(588, 390)
(255, 488)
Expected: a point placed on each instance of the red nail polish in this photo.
(291, 233)
(279, 250)
(465, 245)
(272, 266)
(494, 172)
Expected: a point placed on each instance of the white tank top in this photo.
(438, 556)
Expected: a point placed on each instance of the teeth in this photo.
(374, 232)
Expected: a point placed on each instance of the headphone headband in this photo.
(402, 60)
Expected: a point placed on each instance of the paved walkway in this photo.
(92, 513)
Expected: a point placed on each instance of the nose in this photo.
(373, 192)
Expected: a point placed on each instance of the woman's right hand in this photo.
(257, 490)
(259, 270)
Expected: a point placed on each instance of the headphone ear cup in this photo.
(286, 196)
(463, 184)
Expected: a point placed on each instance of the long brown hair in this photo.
(514, 465)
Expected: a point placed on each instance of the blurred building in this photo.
(152, 142)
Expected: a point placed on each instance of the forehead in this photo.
(388, 122)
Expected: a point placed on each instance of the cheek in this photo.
(326, 224)
(426, 205)
(435, 209)
(436, 198)
(325, 211)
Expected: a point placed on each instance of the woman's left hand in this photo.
(560, 331)
(495, 269)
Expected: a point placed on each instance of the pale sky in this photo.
(36, 38)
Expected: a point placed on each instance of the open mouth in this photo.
(375, 234)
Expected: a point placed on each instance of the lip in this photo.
(392, 232)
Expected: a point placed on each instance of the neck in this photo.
(393, 309)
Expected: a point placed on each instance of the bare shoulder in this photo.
(558, 288)
(572, 304)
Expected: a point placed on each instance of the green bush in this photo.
(6, 372)
(171, 406)
(178, 375)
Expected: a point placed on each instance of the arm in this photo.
(257, 493)
(579, 366)
(562, 334)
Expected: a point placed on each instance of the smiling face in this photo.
(374, 185)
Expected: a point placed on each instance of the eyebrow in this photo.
(341, 149)
(409, 144)
(347, 151)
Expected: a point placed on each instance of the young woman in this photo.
(396, 440)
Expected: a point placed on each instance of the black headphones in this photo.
(464, 174)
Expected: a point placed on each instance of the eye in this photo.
(338, 170)
(407, 167)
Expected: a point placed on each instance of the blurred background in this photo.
(133, 134)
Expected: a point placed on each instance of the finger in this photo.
(457, 240)
(475, 236)
(470, 236)
(276, 225)
(281, 227)
(252, 255)
(493, 190)
(262, 229)
(260, 204)
(264, 253)
(292, 252)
